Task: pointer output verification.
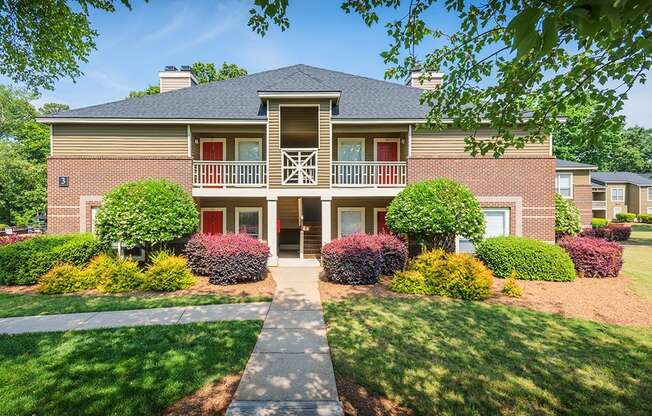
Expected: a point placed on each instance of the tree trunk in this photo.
(445, 242)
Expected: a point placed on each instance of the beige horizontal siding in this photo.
(451, 142)
(119, 140)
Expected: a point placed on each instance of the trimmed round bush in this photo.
(625, 217)
(645, 218)
(167, 273)
(23, 262)
(352, 260)
(115, 275)
(147, 213)
(437, 272)
(567, 217)
(599, 222)
(63, 278)
(531, 259)
(227, 258)
(612, 232)
(393, 253)
(434, 212)
(594, 257)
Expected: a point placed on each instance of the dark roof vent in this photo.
(186, 68)
(170, 68)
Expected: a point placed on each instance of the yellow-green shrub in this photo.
(409, 281)
(115, 275)
(63, 278)
(168, 273)
(512, 288)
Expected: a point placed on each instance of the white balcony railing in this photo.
(369, 174)
(599, 204)
(215, 174)
(299, 166)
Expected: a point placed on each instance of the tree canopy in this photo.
(44, 41)
(203, 72)
(510, 63)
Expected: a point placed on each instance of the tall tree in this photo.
(52, 108)
(511, 63)
(22, 186)
(43, 41)
(203, 72)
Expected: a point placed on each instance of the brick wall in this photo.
(69, 208)
(524, 185)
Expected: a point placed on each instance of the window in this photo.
(496, 225)
(350, 221)
(649, 193)
(564, 184)
(248, 149)
(649, 210)
(618, 194)
(350, 150)
(617, 210)
(249, 221)
(93, 216)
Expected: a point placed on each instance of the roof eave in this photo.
(266, 95)
(108, 120)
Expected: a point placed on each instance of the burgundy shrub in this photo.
(594, 257)
(227, 258)
(393, 253)
(352, 260)
(12, 238)
(611, 232)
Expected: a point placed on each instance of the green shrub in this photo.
(645, 218)
(22, 263)
(168, 273)
(512, 288)
(531, 259)
(409, 281)
(625, 217)
(437, 272)
(147, 213)
(433, 212)
(115, 275)
(599, 222)
(64, 278)
(567, 216)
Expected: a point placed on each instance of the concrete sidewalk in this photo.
(138, 317)
(290, 371)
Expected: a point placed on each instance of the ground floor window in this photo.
(350, 221)
(649, 210)
(213, 220)
(496, 225)
(93, 216)
(249, 221)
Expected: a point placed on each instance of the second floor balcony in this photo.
(221, 173)
(599, 204)
(369, 174)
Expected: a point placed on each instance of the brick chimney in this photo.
(171, 78)
(426, 80)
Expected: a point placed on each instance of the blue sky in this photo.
(134, 46)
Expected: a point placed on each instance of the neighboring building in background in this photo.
(573, 181)
(622, 192)
(295, 156)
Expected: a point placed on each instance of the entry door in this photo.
(212, 150)
(387, 152)
(381, 225)
(213, 222)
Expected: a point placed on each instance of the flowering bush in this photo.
(167, 273)
(612, 232)
(567, 217)
(393, 253)
(13, 238)
(352, 260)
(227, 258)
(594, 257)
(532, 259)
(147, 213)
(437, 272)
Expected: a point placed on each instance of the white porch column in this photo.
(325, 219)
(272, 237)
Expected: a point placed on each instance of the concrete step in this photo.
(287, 408)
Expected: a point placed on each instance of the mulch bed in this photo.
(212, 399)
(602, 300)
(357, 401)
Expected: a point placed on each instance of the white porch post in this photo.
(272, 239)
(325, 219)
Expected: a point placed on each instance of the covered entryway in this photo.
(299, 227)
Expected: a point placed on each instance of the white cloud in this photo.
(178, 21)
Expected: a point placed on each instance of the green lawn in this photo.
(466, 358)
(25, 305)
(638, 260)
(128, 371)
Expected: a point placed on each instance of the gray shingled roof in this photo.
(620, 177)
(569, 164)
(237, 98)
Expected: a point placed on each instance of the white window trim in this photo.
(376, 211)
(649, 194)
(387, 140)
(611, 193)
(619, 209)
(570, 174)
(257, 210)
(201, 218)
(342, 140)
(340, 210)
(211, 139)
(93, 217)
(239, 140)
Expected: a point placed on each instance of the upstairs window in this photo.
(618, 194)
(564, 184)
